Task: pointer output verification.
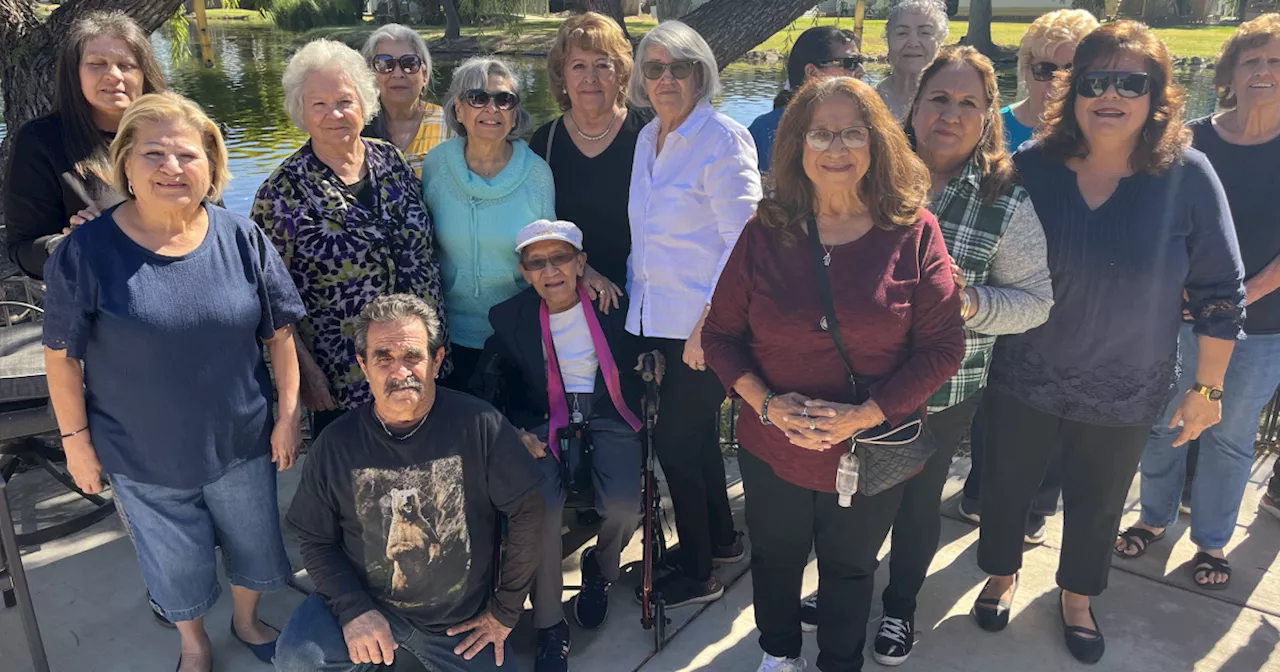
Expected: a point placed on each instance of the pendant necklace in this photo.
(826, 258)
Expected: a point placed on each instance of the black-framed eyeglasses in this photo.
(557, 260)
(503, 100)
(679, 69)
(820, 139)
(850, 63)
(1045, 70)
(1128, 84)
(386, 63)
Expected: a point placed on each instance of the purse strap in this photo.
(551, 137)
(830, 323)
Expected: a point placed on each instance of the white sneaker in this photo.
(776, 664)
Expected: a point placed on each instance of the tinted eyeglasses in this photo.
(1128, 84)
(849, 63)
(1045, 70)
(679, 69)
(386, 63)
(820, 139)
(503, 100)
(557, 260)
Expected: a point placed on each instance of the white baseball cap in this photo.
(545, 229)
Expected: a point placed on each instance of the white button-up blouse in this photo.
(688, 205)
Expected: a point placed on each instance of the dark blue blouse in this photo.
(1108, 353)
(176, 387)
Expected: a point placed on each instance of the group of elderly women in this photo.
(904, 259)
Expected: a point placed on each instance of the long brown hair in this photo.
(894, 188)
(991, 155)
(1250, 35)
(86, 148)
(1164, 139)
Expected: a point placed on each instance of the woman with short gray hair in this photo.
(347, 217)
(694, 185)
(913, 30)
(402, 65)
(482, 187)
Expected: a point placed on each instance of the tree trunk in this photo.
(611, 9)
(734, 27)
(979, 36)
(452, 25)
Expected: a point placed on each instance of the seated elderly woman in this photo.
(848, 215)
(347, 218)
(59, 176)
(913, 30)
(554, 327)
(402, 65)
(482, 187)
(143, 292)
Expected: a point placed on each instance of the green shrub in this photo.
(300, 15)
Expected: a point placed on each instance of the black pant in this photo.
(1098, 464)
(687, 441)
(918, 525)
(1045, 503)
(465, 361)
(785, 521)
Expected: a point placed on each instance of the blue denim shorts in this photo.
(174, 532)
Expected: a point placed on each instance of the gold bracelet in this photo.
(965, 305)
(71, 434)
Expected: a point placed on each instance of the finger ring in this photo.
(805, 413)
(811, 425)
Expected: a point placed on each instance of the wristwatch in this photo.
(1210, 393)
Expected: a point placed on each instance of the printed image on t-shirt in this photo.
(415, 530)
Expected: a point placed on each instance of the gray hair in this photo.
(396, 307)
(474, 73)
(324, 55)
(684, 44)
(398, 33)
(933, 10)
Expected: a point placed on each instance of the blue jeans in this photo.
(1226, 449)
(312, 641)
(175, 531)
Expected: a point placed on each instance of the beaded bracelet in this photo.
(764, 409)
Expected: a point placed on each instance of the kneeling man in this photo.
(398, 513)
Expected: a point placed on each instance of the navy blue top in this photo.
(1107, 355)
(763, 130)
(176, 387)
(1250, 175)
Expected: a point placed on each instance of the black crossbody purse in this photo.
(889, 454)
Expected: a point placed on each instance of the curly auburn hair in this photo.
(991, 153)
(1250, 35)
(894, 188)
(1164, 139)
(588, 31)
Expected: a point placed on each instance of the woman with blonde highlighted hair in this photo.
(1047, 47)
(155, 317)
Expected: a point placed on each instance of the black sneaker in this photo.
(592, 606)
(678, 590)
(894, 641)
(1036, 530)
(971, 509)
(809, 614)
(553, 649)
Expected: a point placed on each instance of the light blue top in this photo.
(763, 130)
(476, 221)
(1014, 132)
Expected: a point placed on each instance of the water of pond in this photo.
(244, 92)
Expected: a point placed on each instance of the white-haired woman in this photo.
(1046, 48)
(913, 30)
(482, 186)
(346, 216)
(694, 185)
(402, 65)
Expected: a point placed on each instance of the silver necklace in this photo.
(826, 258)
(406, 436)
(577, 128)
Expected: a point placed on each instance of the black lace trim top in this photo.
(1108, 353)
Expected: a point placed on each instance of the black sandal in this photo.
(992, 614)
(1137, 537)
(1204, 565)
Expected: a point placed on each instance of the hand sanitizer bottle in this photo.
(847, 478)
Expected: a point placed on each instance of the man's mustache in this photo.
(408, 383)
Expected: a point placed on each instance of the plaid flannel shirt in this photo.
(972, 230)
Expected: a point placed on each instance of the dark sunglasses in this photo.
(849, 63)
(386, 63)
(1128, 84)
(1045, 70)
(679, 69)
(562, 259)
(503, 100)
